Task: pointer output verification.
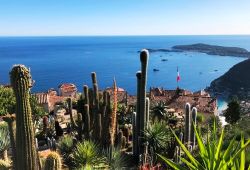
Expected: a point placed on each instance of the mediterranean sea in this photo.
(56, 60)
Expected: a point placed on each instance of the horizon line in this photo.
(123, 35)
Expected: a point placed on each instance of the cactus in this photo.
(86, 94)
(86, 122)
(26, 154)
(147, 112)
(137, 124)
(70, 108)
(144, 64)
(45, 125)
(194, 116)
(119, 139)
(10, 119)
(177, 154)
(79, 126)
(187, 124)
(114, 110)
(181, 136)
(124, 142)
(53, 161)
(134, 133)
(4, 165)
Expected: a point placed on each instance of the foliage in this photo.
(35, 108)
(159, 112)
(211, 155)
(157, 135)
(232, 113)
(87, 154)
(114, 158)
(200, 118)
(66, 146)
(4, 137)
(7, 101)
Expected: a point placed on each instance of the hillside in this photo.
(234, 82)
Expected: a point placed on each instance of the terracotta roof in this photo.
(68, 87)
(42, 98)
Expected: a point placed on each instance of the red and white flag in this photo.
(178, 75)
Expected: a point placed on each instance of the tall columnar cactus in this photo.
(114, 110)
(177, 154)
(70, 108)
(194, 117)
(144, 56)
(79, 125)
(86, 94)
(187, 134)
(53, 161)
(134, 133)
(109, 141)
(147, 112)
(86, 122)
(10, 119)
(137, 119)
(119, 138)
(26, 154)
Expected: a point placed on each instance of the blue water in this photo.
(56, 60)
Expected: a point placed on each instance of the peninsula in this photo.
(214, 50)
(208, 49)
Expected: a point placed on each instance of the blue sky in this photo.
(124, 17)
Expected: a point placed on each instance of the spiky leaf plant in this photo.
(211, 156)
(87, 154)
(66, 146)
(114, 158)
(4, 137)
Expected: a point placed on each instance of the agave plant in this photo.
(211, 156)
(66, 146)
(87, 154)
(4, 139)
(114, 158)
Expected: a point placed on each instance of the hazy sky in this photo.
(124, 17)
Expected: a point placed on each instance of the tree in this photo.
(232, 113)
(7, 101)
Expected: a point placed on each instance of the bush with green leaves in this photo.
(7, 101)
(211, 156)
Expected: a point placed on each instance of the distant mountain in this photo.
(234, 82)
(214, 50)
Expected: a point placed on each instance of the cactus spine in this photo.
(187, 134)
(26, 154)
(53, 161)
(194, 116)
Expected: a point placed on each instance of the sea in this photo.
(71, 59)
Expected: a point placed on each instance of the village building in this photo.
(178, 98)
(68, 90)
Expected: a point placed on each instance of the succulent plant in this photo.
(26, 154)
(53, 161)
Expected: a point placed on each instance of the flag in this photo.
(178, 75)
